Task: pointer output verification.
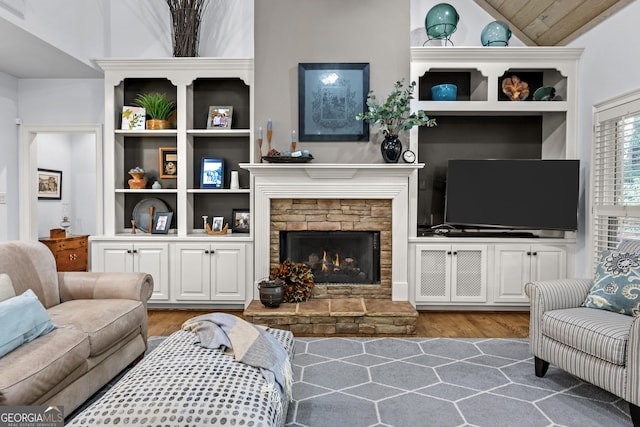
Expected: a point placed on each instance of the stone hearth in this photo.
(344, 316)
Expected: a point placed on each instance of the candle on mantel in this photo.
(293, 141)
(260, 133)
(269, 125)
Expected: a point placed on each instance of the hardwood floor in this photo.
(444, 324)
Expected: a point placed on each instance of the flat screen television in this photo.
(513, 194)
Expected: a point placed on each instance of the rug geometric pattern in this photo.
(440, 382)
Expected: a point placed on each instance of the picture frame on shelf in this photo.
(168, 157)
(212, 173)
(330, 95)
(241, 221)
(133, 118)
(217, 223)
(49, 184)
(161, 222)
(219, 117)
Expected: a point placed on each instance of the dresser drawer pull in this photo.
(73, 257)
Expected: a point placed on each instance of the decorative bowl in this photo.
(544, 93)
(444, 92)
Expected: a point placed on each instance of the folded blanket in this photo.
(250, 344)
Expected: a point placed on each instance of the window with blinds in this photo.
(615, 174)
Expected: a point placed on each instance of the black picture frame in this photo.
(49, 184)
(212, 173)
(241, 221)
(161, 222)
(330, 95)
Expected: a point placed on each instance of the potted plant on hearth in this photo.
(393, 116)
(158, 107)
(298, 280)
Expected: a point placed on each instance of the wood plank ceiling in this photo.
(551, 22)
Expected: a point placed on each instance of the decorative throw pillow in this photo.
(22, 319)
(617, 284)
(6, 287)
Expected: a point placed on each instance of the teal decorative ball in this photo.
(441, 21)
(496, 33)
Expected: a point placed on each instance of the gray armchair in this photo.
(598, 346)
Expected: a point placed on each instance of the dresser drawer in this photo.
(71, 253)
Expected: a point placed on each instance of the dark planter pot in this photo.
(271, 293)
(391, 149)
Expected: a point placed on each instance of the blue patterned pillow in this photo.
(617, 284)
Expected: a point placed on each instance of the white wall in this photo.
(9, 157)
(609, 67)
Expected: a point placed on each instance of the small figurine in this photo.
(133, 226)
(204, 218)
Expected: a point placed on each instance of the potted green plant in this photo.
(393, 116)
(297, 279)
(158, 107)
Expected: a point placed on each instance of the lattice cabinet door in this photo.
(434, 273)
(469, 273)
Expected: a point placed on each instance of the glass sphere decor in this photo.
(496, 33)
(441, 21)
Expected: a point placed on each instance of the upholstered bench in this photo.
(181, 383)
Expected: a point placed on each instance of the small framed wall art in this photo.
(162, 222)
(330, 95)
(212, 174)
(133, 118)
(219, 117)
(241, 221)
(168, 162)
(218, 223)
(49, 184)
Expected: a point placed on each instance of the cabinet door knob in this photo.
(455, 252)
(207, 251)
(212, 251)
(529, 253)
(128, 251)
(448, 252)
(535, 253)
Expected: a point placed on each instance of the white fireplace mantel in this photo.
(334, 181)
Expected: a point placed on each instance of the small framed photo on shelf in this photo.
(168, 162)
(133, 118)
(218, 223)
(162, 222)
(219, 117)
(241, 221)
(212, 174)
(49, 184)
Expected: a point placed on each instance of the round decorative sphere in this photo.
(496, 33)
(441, 21)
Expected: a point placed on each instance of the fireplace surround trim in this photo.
(334, 181)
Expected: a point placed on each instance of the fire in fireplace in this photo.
(335, 257)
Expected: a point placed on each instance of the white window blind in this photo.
(615, 174)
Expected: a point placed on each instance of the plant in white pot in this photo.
(393, 116)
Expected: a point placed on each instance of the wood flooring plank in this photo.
(442, 324)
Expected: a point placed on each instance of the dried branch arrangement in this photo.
(186, 16)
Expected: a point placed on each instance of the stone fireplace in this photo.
(322, 197)
(346, 241)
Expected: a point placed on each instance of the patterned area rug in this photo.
(439, 382)
(435, 382)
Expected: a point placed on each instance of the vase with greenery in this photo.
(158, 107)
(298, 280)
(393, 116)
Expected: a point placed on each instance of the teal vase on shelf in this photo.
(441, 21)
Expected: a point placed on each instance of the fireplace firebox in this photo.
(335, 257)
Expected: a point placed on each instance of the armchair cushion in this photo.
(617, 283)
(600, 333)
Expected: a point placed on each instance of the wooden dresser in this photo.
(71, 253)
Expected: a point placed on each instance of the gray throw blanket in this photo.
(250, 344)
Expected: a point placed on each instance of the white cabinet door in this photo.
(228, 271)
(451, 273)
(512, 271)
(518, 264)
(112, 257)
(153, 258)
(548, 262)
(193, 271)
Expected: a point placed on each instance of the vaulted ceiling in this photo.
(551, 22)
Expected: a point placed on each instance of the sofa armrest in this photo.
(94, 285)
(552, 295)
